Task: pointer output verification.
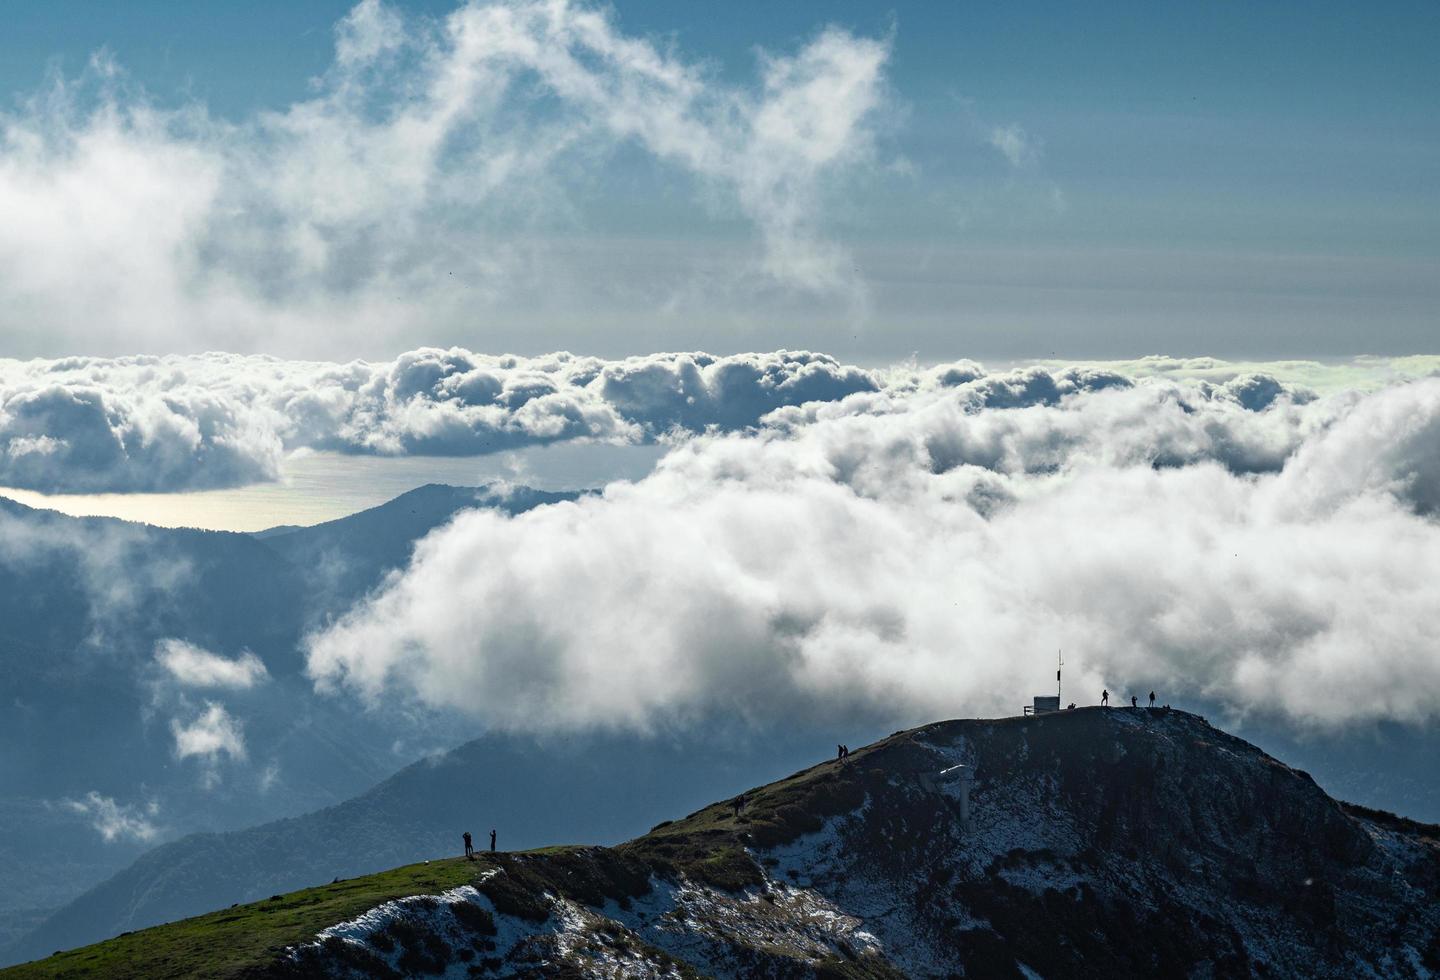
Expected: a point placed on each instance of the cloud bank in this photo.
(915, 554)
(217, 420)
(417, 185)
(158, 424)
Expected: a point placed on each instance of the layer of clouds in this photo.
(416, 186)
(171, 423)
(116, 821)
(215, 420)
(1357, 374)
(192, 666)
(913, 554)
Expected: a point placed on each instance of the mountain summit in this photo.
(1086, 842)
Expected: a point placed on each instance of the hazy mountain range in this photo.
(153, 683)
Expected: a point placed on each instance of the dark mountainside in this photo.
(531, 790)
(348, 557)
(1101, 842)
(83, 602)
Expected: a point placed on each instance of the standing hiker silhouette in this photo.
(1105, 698)
(469, 850)
(1133, 699)
(1152, 699)
(492, 840)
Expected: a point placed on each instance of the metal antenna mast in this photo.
(1059, 662)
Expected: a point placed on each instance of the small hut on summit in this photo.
(1045, 704)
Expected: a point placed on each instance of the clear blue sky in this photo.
(1175, 138)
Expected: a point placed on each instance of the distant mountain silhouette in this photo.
(83, 602)
(346, 558)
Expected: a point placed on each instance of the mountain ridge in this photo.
(412, 815)
(1100, 841)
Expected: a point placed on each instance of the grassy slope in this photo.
(225, 943)
(708, 845)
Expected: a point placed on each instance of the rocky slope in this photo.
(1116, 842)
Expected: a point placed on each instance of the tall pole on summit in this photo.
(1059, 662)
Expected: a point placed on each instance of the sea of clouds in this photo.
(160, 424)
(824, 539)
(193, 422)
(924, 545)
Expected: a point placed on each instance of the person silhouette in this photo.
(1105, 698)
(839, 751)
(1152, 699)
(492, 841)
(469, 849)
(1133, 699)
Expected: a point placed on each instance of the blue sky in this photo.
(1246, 181)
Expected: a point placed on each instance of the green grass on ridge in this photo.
(226, 943)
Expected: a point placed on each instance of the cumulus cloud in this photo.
(916, 554)
(208, 736)
(117, 821)
(1366, 373)
(192, 666)
(215, 420)
(416, 185)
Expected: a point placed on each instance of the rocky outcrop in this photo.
(1100, 842)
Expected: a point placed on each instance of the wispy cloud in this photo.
(1025, 192)
(117, 821)
(400, 195)
(209, 736)
(1018, 147)
(192, 666)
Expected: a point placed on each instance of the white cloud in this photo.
(1015, 145)
(192, 666)
(911, 555)
(211, 734)
(415, 188)
(126, 424)
(117, 821)
(175, 423)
